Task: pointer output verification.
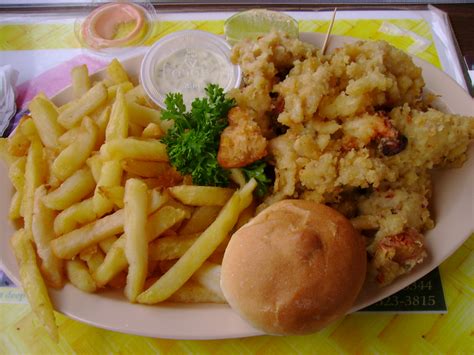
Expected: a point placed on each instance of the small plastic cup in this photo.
(186, 62)
(116, 27)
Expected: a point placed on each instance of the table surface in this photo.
(461, 15)
(365, 333)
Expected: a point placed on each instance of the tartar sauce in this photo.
(190, 70)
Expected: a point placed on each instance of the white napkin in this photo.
(8, 78)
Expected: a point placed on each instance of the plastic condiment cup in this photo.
(98, 27)
(116, 27)
(186, 62)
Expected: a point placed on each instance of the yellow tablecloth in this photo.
(357, 333)
(452, 332)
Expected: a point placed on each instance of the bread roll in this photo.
(294, 268)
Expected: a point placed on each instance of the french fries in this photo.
(76, 154)
(7, 158)
(171, 247)
(16, 173)
(88, 102)
(124, 87)
(94, 260)
(67, 105)
(78, 274)
(134, 129)
(14, 212)
(195, 256)
(147, 169)
(49, 156)
(116, 73)
(45, 117)
(107, 243)
(156, 199)
(115, 194)
(43, 234)
(237, 176)
(18, 142)
(69, 137)
(117, 127)
(81, 82)
(110, 175)
(133, 148)
(87, 252)
(73, 190)
(136, 244)
(162, 220)
(33, 283)
(152, 130)
(200, 219)
(33, 179)
(193, 292)
(70, 244)
(137, 95)
(28, 128)
(102, 121)
(75, 215)
(246, 215)
(115, 260)
(143, 116)
(95, 164)
(101, 206)
(209, 276)
(201, 195)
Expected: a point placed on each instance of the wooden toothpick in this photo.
(328, 33)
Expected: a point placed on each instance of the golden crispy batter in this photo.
(354, 132)
(397, 254)
(242, 141)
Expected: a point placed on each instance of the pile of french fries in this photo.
(97, 203)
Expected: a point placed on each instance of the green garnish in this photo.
(193, 142)
(257, 170)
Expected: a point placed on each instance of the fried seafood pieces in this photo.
(242, 142)
(263, 63)
(352, 130)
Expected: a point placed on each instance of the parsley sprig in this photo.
(256, 170)
(193, 141)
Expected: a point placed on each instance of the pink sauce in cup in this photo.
(100, 26)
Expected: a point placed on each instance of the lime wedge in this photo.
(257, 22)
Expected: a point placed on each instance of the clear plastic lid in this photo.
(115, 27)
(186, 62)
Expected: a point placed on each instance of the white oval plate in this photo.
(453, 196)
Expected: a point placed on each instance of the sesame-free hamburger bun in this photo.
(294, 268)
